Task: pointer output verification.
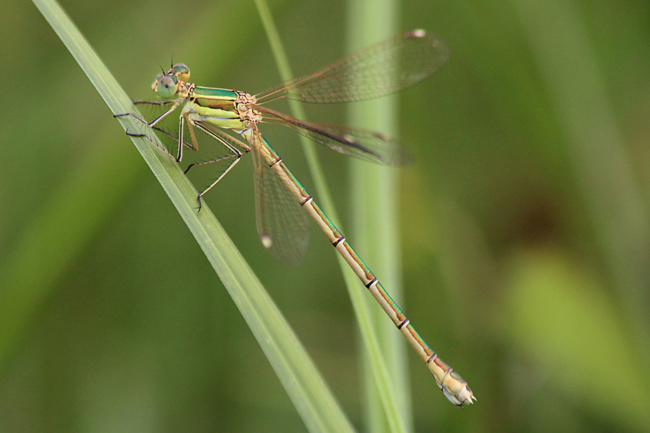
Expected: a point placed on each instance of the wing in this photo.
(360, 143)
(283, 226)
(379, 70)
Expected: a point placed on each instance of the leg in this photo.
(138, 102)
(153, 124)
(174, 104)
(231, 144)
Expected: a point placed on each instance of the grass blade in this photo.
(376, 187)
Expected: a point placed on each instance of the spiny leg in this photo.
(159, 103)
(157, 119)
(154, 123)
(133, 134)
(226, 140)
(181, 132)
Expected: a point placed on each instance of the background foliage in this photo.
(524, 223)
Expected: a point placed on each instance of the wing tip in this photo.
(266, 240)
(417, 33)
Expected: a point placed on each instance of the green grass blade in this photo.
(378, 369)
(376, 233)
(292, 364)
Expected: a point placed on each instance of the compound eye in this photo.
(167, 86)
(182, 72)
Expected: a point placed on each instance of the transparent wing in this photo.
(283, 226)
(360, 143)
(379, 70)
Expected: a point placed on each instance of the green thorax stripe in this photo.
(211, 97)
(211, 92)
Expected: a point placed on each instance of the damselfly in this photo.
(379, 70)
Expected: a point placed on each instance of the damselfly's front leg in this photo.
(162, 148)
(175, 104)
(157, 119)
(155, 122)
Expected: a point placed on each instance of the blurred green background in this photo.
(525, 223)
